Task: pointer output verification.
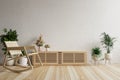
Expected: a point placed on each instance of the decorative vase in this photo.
(47, 49)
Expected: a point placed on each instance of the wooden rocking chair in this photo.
(16, 53)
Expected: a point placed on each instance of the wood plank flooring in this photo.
(94, 72)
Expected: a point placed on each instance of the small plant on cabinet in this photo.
(47, 46)
(39, 42)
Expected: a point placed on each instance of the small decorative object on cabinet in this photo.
(39, 42)
(108, 43)
(47, 46)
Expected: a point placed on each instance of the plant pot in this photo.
(95, 58)
(108, 56)
(10, 63)
(23, 61)
(47, 49)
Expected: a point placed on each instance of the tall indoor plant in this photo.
(47, 46)
(108, 43)
(8, 35)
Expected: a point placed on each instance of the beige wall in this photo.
(65, 24)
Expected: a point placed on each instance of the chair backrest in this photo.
(13, 44)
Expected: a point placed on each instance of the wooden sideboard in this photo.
(61, 58)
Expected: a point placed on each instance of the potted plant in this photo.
(23, 60)
(47, 46)
(96, 53)
(108, 43)
(39, 42)
(8, 35)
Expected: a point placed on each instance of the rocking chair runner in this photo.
(16, 53)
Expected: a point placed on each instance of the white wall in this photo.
(65, 24)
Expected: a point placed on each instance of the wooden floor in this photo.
(99, 72)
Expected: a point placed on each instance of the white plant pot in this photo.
(108, 56)
(47, 49)
(10, 63)
(95, 58)
(23, 61)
